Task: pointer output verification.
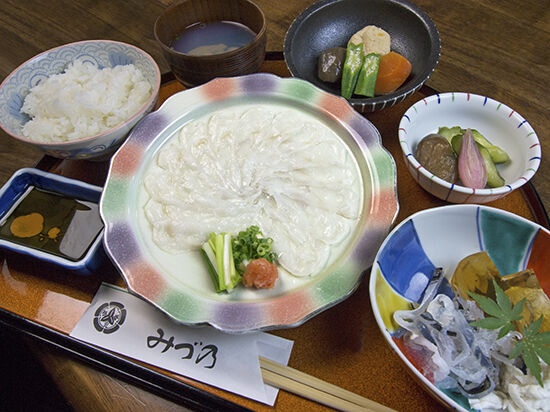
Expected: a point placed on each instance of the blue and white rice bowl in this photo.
(101, 54)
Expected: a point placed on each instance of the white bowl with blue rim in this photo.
(442, 237)
(500, 124)
(83, 237)
(100, 53)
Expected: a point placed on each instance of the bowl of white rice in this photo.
(79, 100)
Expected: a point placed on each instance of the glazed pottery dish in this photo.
(157, 219)
(501, 126)
(330, 23)
(422, 280)
(68, 117)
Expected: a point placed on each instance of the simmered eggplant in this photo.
(329, 67)
(436, 155)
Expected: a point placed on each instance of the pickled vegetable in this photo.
(498, 155)
(331, 61)
(436, 155)
(494, 179)
(456, 141)
(449, 132)
(471, 166)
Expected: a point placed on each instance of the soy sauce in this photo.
(201, 39)
(53, 223)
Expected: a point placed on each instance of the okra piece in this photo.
(352, 68)
(367, 75)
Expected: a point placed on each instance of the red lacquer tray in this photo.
(342, 345)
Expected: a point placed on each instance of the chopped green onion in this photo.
(226, 257)
(250, 244)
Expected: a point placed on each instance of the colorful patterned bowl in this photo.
(185, 292)
(100, 53)
(441, 237)
(500, 124)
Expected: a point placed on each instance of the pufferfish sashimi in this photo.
(266, 165)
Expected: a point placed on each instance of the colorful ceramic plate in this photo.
(184, 291)
(441, 237)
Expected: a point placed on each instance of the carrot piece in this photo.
(392, 72)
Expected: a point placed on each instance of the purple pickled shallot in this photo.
(471, 166)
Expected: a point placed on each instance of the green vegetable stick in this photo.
(352, 68)
(218, 241)
(367, 76)
(212, 244)
(210, 261)
(229, 272)
(226, 269)
(234, 277)
(217, 254)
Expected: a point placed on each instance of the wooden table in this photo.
(492, 48)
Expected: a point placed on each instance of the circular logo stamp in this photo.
(109, 317)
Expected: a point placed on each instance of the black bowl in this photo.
(330, 23)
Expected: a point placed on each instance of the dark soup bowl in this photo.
(331, 23)
(192, 69)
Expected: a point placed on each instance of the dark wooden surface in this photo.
(498, 49)
(494, 48)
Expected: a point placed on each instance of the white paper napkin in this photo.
(118, 321)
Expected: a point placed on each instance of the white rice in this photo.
(83, 101)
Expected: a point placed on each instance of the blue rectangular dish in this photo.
(52, 218)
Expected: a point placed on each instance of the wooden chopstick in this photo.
(315, 389)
